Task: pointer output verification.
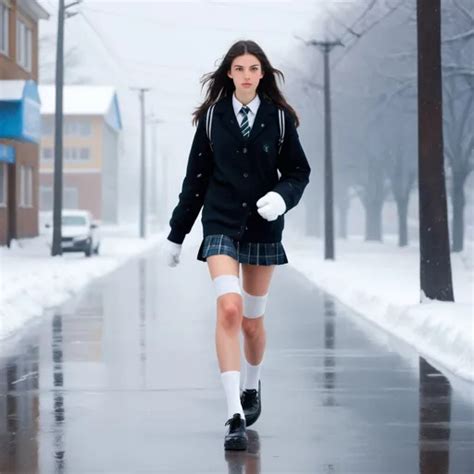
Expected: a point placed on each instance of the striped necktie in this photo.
(245, 127)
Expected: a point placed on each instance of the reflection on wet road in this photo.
(124, 379)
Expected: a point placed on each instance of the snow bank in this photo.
(380, 281)
(31, 280)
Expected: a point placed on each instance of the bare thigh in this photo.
(222, 265)
(256, 279)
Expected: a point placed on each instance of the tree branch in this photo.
(463, 10)
(460, 36)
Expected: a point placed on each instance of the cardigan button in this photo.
(244, 204)
(199, 175)
(246, 175)
(244, 149)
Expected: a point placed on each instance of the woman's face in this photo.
(246, 72)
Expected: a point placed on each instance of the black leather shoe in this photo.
(252, 404)
(236, 436)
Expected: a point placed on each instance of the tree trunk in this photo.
(458, 202)
(313, 216)
(402, 208)
(343, 209)
(373, 221)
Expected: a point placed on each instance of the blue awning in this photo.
(20, 117)
(7, 153)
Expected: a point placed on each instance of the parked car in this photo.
(79, 233)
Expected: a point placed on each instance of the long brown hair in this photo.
(220, 85)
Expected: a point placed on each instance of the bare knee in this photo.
(253, 327)
(230, 313)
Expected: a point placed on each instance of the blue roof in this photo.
(20, 117)
(113, 117)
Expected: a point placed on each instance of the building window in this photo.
(3, 28)
(46, 126)
(3, 184)
(84, 154)
(77, 128)
(47, 153)
(69, 154)
(26, 186)
(76, 154)
(23, 45)
(46, 198)
(70, 198)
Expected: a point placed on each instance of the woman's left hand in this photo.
(271, 206)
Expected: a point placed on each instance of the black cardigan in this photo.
(229, 180)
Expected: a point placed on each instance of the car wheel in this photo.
(96, 251)
(88, 251)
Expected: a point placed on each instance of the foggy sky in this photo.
(168, 46)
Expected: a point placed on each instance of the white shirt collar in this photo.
(253, 105)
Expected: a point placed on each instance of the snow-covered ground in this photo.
(380, 281)
(31, 280)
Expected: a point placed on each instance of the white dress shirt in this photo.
(253, 106)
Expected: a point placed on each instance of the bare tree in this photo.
(458, 104)
(72, 61)
(458, 98)
(402, 177)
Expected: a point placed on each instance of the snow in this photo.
(77, 100)
(31, 280)
(379, 281)
(11, 89)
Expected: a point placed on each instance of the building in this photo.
(19, 118)
(91, 149)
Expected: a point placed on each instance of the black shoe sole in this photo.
(251, 420)
(237, 444)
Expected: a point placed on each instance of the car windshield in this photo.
(74, 220)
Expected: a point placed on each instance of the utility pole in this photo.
(142, 91)
(329, 253)
(56, 248)
(435, 262)
(154, 167)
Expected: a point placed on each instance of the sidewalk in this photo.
(380, 281)
(31, 280)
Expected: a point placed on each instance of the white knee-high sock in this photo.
(231, 383)
(252, 375)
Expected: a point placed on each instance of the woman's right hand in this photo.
(170, 252)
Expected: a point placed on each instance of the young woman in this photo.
(234, 178)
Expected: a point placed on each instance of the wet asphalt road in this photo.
(124, 379)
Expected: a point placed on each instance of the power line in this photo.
(194, 26)
(110, 50)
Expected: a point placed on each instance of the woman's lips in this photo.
(246, 84)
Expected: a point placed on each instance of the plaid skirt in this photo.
(253, 253)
